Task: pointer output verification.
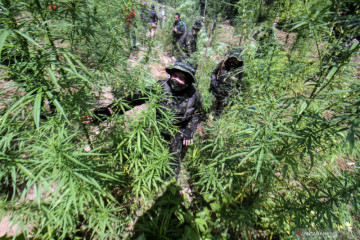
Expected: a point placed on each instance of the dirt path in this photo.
(157, 68)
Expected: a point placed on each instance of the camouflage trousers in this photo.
(223, 97)
(219, 104)
(177, 149)
(176, 50)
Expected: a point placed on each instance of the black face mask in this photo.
(176, 86)
(233, 64)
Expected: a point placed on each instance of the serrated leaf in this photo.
(331, 72)
(28, 38)
(37, 108)
(15, 105)
(52, 77)
(3, 37)
(259, 163)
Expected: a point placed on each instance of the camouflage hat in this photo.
(184, 68)
(236, 53)
(197, 24)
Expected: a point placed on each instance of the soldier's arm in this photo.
(127, 103)
(198, 116)
(177, 33)
(214, 83)
(180, 30)
(101, 114)
(186, 43)
(192, 47)
(188, 46)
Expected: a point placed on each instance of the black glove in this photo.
(213, 84)
(188, 134)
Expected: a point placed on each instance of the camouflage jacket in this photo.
(180, 26)
(187, 107)
(153, 16)
(188, 43)
(224, 82)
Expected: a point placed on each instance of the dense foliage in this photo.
(283, 156)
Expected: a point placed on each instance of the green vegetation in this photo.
(284, 156)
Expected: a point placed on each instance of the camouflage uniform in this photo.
(180, 26)
(185, 103)
(153, 17)
(226, 81)
(188, 42)
(153, 21)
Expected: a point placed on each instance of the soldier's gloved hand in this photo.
(187, 142)
(213, 84)
(187, 139)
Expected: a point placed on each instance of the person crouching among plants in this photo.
(181, 98)
(226, 80)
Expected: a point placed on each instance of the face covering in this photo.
(176, 86)
(233, 64)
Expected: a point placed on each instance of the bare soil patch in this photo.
(226, 34)
(286, 38)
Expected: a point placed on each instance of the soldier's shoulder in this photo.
(194, 90)
(218, 66)
(162, 82)
(182, 23)
(190, 33)
(197, 95)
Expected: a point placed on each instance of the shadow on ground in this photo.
(167, 219)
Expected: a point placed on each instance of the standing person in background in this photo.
(153, 21)
(215, 22)
(178, 31)
(276, 20)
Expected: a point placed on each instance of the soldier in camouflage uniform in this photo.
(153, 21)
(178, 32)
(226, 80)
(188, 42)
(182, 98)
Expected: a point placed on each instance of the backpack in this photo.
(181, 22)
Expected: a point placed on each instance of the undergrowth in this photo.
(283, 156)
